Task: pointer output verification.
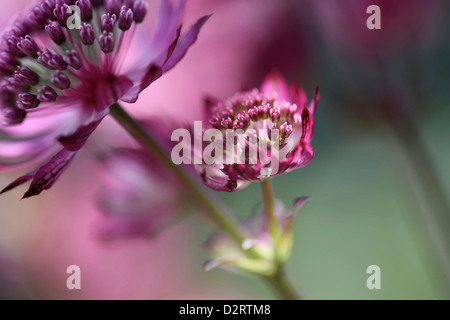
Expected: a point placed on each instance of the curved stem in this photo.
(269, 204)
(283, 286)
(429, 194)
(218, 214)
(279, 280)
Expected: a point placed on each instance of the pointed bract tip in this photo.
(299, 203)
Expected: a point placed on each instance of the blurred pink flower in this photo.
(57, 84)
(403, 24)
(141, 196)
(274, 107)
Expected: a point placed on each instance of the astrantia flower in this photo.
(141, 196)
(57, 83)
(227, 254)
(276, 125)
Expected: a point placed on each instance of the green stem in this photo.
(283, 286)
(279, 280)
(218, 214)
(429, 194)
(269, 204)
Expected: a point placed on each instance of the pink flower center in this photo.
(255, 110)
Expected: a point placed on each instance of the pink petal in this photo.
(113, 91)
(298, 95)
(222, 183)
(156, 49)
(307, 125)
(298, 158)
(165, 49)
(18, 182)
(302, 158)
(50, 172)
(299, 203)
(17, 153)
(153, 73)
(173, 45)
(312, 106)
(169, 22)
(184, 44)
(77, 140)
(276, 84)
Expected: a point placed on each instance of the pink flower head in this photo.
(141, 196)
(275, 114)
(57, 82)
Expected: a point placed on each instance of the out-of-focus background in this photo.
(367, 205)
